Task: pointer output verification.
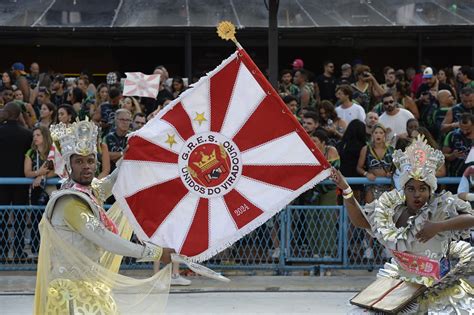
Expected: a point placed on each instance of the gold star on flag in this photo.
(171, 140)
(200, 118)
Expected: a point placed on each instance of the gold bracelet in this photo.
(347, 191)
(348, 196)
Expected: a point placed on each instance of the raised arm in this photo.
(447, 124)
(354, 210)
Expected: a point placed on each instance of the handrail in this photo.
(350, 180)
(26, 180)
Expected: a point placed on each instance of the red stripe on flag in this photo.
(151, 206)
(241, 209)
(252, 133)
(221, 86)
(144, 150)
(287, 176)
(267, 87)
(178, 118)
(197, 239)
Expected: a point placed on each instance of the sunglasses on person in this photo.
(388, 102)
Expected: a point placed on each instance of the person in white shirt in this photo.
(394, 118)
(348, 110)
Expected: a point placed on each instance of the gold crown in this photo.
(207, 161)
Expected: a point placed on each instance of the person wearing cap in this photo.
(58, 87)
(431, 84)
(18, 69)
(297, 64)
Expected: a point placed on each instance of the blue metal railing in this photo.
(300, 237)
(350, 180)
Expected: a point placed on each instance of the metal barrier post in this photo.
(283, 230)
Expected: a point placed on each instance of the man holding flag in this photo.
(199, 176)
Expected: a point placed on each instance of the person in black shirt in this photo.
(326, 83)
(117, 140)
(59, 95)
(107, 110)
(15, 141)
(431, 84)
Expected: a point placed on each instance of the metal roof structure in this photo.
(244, 14)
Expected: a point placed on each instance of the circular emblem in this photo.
(210, 164)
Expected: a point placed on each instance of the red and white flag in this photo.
(216, 163)
(139, 84)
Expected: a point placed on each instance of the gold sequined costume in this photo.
(81, 251)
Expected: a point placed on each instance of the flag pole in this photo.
(226, 31)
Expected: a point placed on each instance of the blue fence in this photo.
(314, 238)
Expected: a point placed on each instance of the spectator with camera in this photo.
(331, 123)
(457, 145)
(431, 84)
(366, 89)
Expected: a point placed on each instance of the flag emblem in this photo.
(210, 164)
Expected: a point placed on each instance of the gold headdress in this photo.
(419, 161)
(77, 138)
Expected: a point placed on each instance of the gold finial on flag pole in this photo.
(226, 31)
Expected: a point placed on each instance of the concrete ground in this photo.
(225, 303)
(243, 295)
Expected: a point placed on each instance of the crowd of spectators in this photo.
(366, 121)
(355, 120)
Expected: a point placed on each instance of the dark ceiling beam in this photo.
(206, 36)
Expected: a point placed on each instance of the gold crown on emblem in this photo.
(207, 161)
(77, 138)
